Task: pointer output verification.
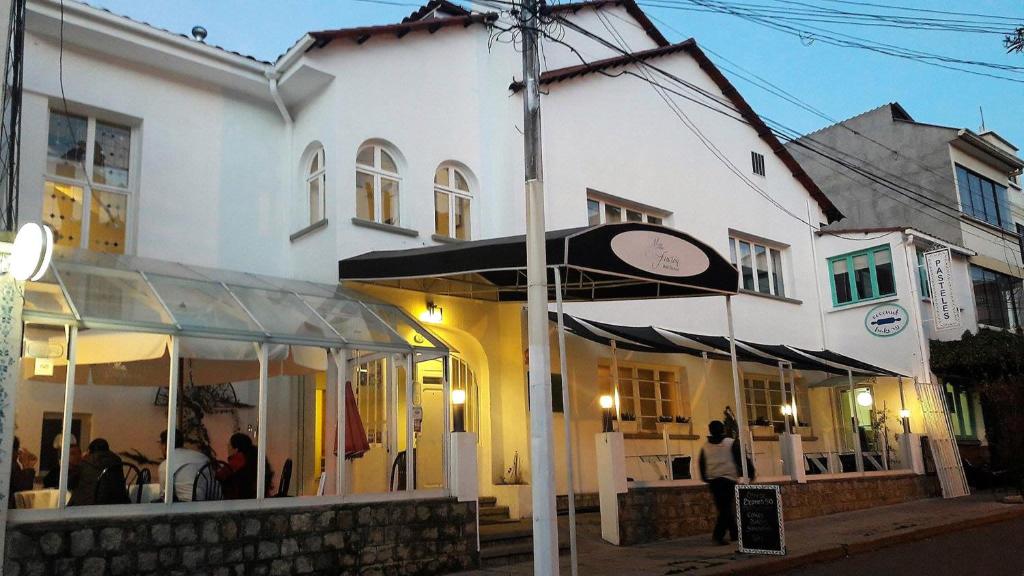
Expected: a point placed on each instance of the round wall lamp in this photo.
(864, 398)
(33, 248)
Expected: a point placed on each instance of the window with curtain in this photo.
(452, 199)
(862, 276)
(984, 199)
(316, 186)
(999, 298)
(377, 185)
(88, 182)
(760, 265)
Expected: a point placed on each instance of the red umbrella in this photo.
(356, 443)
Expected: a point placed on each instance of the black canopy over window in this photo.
(626, 261)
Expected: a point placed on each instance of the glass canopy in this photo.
(118, 292)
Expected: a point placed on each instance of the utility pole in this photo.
(542, 463)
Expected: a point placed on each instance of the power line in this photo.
(902, 190)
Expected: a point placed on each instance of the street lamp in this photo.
(607, 403)
(864, 398)
(459, 410)
(33, 248)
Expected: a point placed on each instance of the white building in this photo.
(402, 136)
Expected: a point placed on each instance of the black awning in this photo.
(653, 339)
(626, 261)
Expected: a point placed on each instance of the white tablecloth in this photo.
(46, 498)
(150, 493)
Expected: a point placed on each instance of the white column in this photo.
(69, 407)
(567, 419)
(446, 395)
(261, 429)
(339, 357)
(173, 388)
(741, 409)
(611, 481)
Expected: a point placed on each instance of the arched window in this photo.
(316, 185)
(377, 183)
(452, 199)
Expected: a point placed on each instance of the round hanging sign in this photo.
(886, 320)
(659, 253)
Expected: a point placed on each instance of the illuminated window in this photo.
(316, 186)
(452, 199)
(377, 185)
(648, 393)
(88, 182)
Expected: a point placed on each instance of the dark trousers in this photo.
(723, 492)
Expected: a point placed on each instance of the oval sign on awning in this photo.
(659, 253)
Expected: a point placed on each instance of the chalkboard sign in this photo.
(759, 517)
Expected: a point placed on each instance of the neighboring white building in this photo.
(405, 135)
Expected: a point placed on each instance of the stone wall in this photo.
(648, 514)
(409, 537)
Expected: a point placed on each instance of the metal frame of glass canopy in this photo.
(89, 291)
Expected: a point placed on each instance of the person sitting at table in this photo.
(52, 477)
(238, 478)
(186, 466)
(23, 471)
(85, 483)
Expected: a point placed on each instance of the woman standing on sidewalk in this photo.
(720, 466)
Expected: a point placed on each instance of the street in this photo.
(996, 549)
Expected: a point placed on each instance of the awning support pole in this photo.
(615, 385)
(795, 415)
(567, 418)
(741, 418)
(173, 385)
(858, 449)
(785, 396)
(261, 429)
(410, 465)
(69, 407)
(340, 366)
(903, 406)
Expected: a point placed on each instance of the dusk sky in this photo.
(838, 81)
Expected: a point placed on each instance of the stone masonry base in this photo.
(407, 537)
(649, 514)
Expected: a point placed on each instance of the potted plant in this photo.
(512, 490)
(665, 423)
(762, 427)
(627, 423)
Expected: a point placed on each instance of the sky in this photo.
(840, 82)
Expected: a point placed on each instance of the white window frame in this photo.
(646, 213)
(734, 253)
(319, 176)
(88, 185)
(634, 381)
(376, 172)
(452, 192)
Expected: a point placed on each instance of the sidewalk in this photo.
(811, 540)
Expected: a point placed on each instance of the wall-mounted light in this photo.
(33, 248)
(864, 398)
(433, 314)
(786, 410)
(459, 410)
(904, 413)
(607, 403)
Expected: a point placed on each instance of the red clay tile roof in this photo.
(631, 8)
(364, 33)
(832, 213)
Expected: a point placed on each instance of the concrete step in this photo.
(494, 512)
(496, 520)
(488, 501)
(505, 531)
(505, 552)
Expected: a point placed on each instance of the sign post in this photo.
(945, 311)
(759, 519)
